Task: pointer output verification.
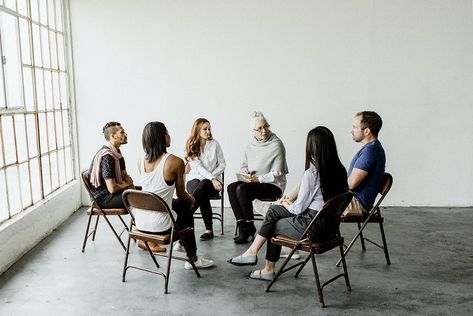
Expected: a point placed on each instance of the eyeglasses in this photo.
(261, 128)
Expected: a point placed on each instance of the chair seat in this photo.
(375, 218)
(318, 247)
(107, 211)
(163, 239)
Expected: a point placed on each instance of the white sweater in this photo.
(210, 164)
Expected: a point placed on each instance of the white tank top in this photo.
(153, 181)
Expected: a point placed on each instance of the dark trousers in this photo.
(184, 219)
(278, 221)
(111, 200)
(202, 190)
(241, 194)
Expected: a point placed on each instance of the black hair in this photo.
(321, 152)
(154, 140)
(109, 129)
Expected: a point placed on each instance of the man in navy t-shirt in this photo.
(366, 170)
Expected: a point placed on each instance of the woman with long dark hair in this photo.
(324, 178)
(206, 164)
(163, 173)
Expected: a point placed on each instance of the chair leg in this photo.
(96, 225)
(127, 252)
(385, 245)
(362, 240)
(317, 280)
(189, 257)
(345, 270)
(222, 209)
(87, 232)
(168, 268)
(302, 267)
(114, 232)
(280, 271)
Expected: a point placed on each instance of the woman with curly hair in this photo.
(205, 160)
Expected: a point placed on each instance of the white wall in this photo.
(19, 234)
(303, 63)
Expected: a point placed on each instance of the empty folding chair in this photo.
(96, 210)
(152, 202)
(374, 216)
(331, 209)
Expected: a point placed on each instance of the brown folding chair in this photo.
(96, 210)
(152, 202)
(331, 209)
(374, 216)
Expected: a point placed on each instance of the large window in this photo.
(35, 136)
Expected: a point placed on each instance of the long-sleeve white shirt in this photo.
(210, 164)
(310, 193)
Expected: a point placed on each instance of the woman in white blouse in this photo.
(206, 163)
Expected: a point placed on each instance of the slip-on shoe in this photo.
(260, 276)
(244, 261)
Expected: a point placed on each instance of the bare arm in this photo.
(174, 171)
(356, 177)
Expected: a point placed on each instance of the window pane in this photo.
(28, 84)
(25, 42)
(34, 10)
(46, 174)
(43, 12)
(23, 7)
(56, 90)
(35, 180)
(51, 131)
(63, 86)
(31, 128)
(43, 135)
(58, 15)
(11, 4)
(67, 136)
(60, 139)
(40, 89)
(25, 185)
(48, 88)
(2, 92)
(21, 137)
(45, 47)
(60, 51)
(3, 197)
(68, 164)
(8, 139)
(1, 153)
(13, 185)
(51, 10)
(38, 60)
(62, 167)
(54, 170)
(11, 54)
(52, 43)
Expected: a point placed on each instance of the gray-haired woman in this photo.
(263, 175)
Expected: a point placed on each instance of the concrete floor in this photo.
(431, 274)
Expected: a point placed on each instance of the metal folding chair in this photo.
(152, 202)
(374, 216)
(332, 209)
(96, 210)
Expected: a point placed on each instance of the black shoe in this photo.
(241, 239)
(207, 236)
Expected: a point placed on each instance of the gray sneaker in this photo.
(178, 247)
(201, 263)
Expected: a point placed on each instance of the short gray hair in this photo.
(255, 116)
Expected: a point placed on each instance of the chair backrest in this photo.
(86, 181)
(333, 208)
(383, 189)
(146, 201)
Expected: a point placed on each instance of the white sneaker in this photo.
(178, 247)
(261, 207)
(201, 263)
(285, 251)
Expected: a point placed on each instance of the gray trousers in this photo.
(278, 221)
